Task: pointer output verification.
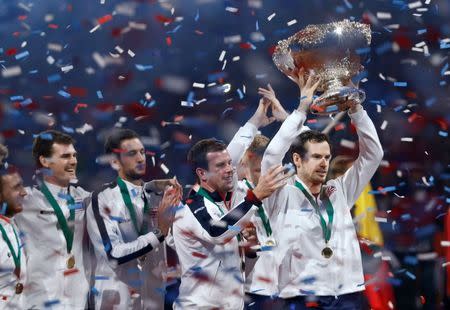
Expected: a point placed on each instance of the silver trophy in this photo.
(333, 52)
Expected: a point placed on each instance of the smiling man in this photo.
(53, 224)
(12, 256)
(127, 231)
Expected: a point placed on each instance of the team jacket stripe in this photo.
(104, 233)
(216, 228)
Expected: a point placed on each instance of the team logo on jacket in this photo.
(330, 190)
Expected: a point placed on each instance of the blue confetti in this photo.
(197, 16)
(234, 227)
(64, 94)
(257, 26)
(53, 78)
(400, 84)
(421, 31)
(50, 303)
(75, 206)
(241, 95)
(68, 129)
(99, 94)
(16, 98)
(101, 277)
(22, 55)
(141, 68)
(444, 68)
(26, 102)
(46, 136)
(409, 274)
(411, 260)
(95, 291)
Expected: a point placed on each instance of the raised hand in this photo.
(270, 182)
(278, 111)
(260, 118)
(171, 198)
(308, 88)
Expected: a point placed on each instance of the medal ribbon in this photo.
(67, 231)
(326, 229)
(262, 214)
(127, 200)
(16, 257)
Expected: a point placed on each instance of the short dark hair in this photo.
(197, 154)
(299, 145)
(112, 143)
(43, 143)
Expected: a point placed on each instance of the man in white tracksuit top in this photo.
(13, 269)
(127, 232)
(206, 227)
(319, 257)
(53, 227)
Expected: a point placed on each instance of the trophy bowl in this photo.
(331, 51)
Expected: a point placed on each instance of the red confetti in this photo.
(104, 19)
(169, 41)
(70, 271)
(199, 32)
(22, 17)
(11, 51)
(119, 151)
(263, 279)
(312, 304)
(245, 46)
(77, 91)
(163, 19)
(199, 255)
(339, 127)
(422, 300)
(53, 26)
(79, 106)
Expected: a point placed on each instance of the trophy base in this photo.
(333, 101)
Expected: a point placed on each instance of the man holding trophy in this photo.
(319, 257)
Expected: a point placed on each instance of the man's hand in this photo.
(278, 111)
(260, 118)
(171, 198)
(307, 89)
(270, 182)
(249, 234)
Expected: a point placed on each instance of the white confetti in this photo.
(164, 169)
(380, 219)
(269, 18)
(66, 68)
(292, 22)
(406, 139)
(383, 125)
(445, 243)
(11, 71)
(231, 9)
(131, 53)
(222, 56)
(414, 5)
(198, 85)
(384, 15)
(50, 60)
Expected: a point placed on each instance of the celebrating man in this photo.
(53, 225)
(12, 256)
(320, 260)
(126, 233)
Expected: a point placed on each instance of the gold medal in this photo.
(71, 262)
(19, 288)
(270, 243)
(327, 252)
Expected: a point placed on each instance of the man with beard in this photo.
(319, 257)
(127, 235)
(12, 256)
(53, 225)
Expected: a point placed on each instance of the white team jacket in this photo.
(128, 272)
(45, 245)
(8, 279)
(301, 268)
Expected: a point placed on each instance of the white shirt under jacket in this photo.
(302, 270)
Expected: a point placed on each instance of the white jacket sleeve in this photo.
(370, 156)
(106, 236)
(281, 142)
(241, 141)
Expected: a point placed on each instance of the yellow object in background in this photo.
(365, 210)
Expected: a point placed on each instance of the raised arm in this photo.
(370, 156)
